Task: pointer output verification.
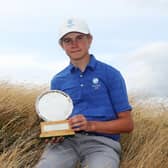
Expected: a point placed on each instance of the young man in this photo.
(101, 108)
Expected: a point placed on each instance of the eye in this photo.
(80, 37)
(66, 40)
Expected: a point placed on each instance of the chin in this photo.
(76, 56)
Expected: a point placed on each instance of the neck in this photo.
(81, 63)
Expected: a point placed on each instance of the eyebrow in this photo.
(80, 34)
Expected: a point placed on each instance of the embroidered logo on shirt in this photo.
(95, 80)
(70, 23)
(95, 83)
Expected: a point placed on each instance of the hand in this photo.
(54, 140)
(79, 123)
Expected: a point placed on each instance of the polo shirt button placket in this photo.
(81, 76)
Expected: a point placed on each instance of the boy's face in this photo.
(76, 45)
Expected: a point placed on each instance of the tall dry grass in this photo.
(21, 147)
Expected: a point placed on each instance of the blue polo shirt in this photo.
(99, 93)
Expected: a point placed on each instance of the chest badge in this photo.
(95, 83)
(95, 80)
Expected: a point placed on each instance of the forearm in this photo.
(120, 125)
(123, 124)
(110, 127)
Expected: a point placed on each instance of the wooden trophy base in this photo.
(55, 128)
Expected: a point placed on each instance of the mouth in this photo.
(76, 51)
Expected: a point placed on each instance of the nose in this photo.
(74, 43)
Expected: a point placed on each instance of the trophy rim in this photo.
(52, 91)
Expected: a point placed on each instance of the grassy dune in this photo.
(20, 147)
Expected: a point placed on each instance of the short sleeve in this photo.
(118, 92)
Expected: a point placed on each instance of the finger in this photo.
(77, 121)
(77, 118)
(76, 129)
(61, 139)
(46, 141)
(57, 139)
(53, 140)
(81, 127)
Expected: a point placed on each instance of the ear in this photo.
(61, 44)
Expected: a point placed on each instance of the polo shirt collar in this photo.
(91, 64)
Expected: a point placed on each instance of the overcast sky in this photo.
(131, 35)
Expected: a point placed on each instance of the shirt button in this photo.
(81, 84)
(81, 76)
